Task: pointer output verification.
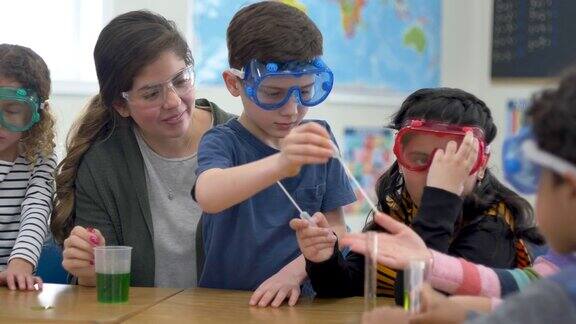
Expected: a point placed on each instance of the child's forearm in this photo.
(297, 267)
(474, 303)
(457, 276)
(219, 189)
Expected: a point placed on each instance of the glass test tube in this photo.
(370, 272)
(413, 281)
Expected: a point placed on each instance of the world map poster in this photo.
(379, 44)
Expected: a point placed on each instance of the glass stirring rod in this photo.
(303, 214)
(370, 260)
(351, 176)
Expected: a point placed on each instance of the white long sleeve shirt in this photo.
(26, 194)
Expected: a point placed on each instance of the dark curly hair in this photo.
(24, 66)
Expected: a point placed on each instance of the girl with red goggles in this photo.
(434, 136)
(441, 187)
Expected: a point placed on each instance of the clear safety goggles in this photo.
(155, 95)
(270, 85)
(19, 108)
(418, 140)
(523, 161)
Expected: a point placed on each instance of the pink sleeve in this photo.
(458, 276)
(544, 267)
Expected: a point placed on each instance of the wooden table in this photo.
(213, 306)
(77, 304)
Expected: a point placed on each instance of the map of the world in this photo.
(381, 44)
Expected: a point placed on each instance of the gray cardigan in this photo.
(111, 195)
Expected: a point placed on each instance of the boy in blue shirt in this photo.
(276, 69)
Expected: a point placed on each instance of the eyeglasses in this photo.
(155, 95)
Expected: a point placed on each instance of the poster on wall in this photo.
(368, 153)
(390, 45)
(515, 115)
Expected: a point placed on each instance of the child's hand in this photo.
(78, 253)
(308, 143)
(451, 167)
(316, 242)
(284, 284)
(385, 314)
(479, 304)
(395, 248)
(18, 275)
(437, 308)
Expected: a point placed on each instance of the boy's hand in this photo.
(308, 143)
(284, 284)
(78, 254)
(451, 167)
(316, 242)
(18, 276)
(395, 248)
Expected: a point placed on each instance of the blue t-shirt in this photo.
(248, 243)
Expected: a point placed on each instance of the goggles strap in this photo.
(546, 159)
(238, 73)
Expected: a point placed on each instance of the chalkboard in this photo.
(533, 38)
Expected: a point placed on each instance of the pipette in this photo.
(303, 214)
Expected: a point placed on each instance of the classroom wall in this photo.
(466, 36)
(466, 47)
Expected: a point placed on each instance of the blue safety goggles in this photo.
(523, 160)
(270, 85)
(19, 108)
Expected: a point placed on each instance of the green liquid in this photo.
(406, 300)
(113, 288)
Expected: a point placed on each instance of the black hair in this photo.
(455, 106)
(553, 116)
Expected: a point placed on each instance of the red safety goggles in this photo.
(417, 142)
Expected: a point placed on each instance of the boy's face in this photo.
(269, 125)
(555, 212)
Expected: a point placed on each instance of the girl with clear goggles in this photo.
(19, 109)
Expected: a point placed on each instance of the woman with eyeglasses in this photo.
(131, 157)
